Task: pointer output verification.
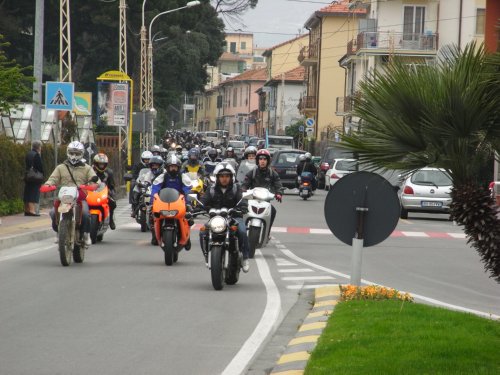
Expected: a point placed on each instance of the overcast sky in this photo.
(273, 18)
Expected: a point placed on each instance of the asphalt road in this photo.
(124, 312)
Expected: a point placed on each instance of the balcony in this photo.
(344, 105)
(308, 103)
(384, 42)
(308, 55)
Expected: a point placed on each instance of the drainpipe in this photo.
(460, 25)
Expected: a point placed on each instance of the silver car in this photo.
(426, 190)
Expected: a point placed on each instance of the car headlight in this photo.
(218, 224)
(168, 212)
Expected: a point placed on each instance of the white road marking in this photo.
(291, 278)
(319, 231)
(267, 324)
(279, 230)
(298, 270)
(415, 234)
(307, 286)
(456, 235)
(25, 253)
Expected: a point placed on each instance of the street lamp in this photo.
(152, 118)
(149, 95)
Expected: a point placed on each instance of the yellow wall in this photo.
(335, 35)
(238, 38)
(212, 110)
(284, 58)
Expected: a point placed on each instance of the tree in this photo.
(14, 84)
(446, 116)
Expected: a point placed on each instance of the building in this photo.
(283, 57)
(241, 45)
(206, 110)
(329, 30)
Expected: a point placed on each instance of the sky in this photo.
(273, 18)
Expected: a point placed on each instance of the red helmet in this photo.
(264, 152)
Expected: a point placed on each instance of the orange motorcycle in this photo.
(98, 202)
(171, 225)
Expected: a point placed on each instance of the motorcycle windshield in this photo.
(168, 195)
(244, 168)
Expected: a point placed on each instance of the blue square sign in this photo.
(59, 95)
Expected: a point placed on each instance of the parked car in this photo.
(339, 169)
(284, 162)
(329, 155)
(426, 190)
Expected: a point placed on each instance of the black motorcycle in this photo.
(141, 209)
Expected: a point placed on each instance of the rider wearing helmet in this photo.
(171, 178)
(227, 194)
(247, 164)
(306, 165)
(105, 174)
(230, 154)
(73, 172)
(178, 150)
(192, 164)
(250, 153)
(264, 176)
(211, 160)
(156, 150)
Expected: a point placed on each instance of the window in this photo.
(241, 95)
(235, 97)
(413, 22)
(232, 47)
(243, 45)
(480, 21)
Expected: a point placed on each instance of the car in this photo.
(426, 190)
(329, 155)
(284, 162)
(238, 146)
(339, 169)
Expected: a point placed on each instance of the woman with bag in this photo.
(33, 179)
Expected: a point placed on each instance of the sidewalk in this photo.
(18, 229)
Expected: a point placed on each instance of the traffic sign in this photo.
(301, 128)
(59, 95)
(310, 122)
(310, 131)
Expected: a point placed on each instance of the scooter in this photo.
(258, 218)
(68, 218)
(171, 226)
(305, 185)
(99, 212)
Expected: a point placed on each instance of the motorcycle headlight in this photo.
(218, 224)
(67, 199)
(168, 212)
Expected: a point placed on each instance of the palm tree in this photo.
(446, 115)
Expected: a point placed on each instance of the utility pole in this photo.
(64, 42)
(36, 124)
(143, 99)
(123, 36)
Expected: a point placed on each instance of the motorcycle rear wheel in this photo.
(168, 246)
(94, 228)
(253, 240)
(142, 220)
(217, 255)
(65, 239)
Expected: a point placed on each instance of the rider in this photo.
(192, 164)
(306, 165)
(156, 150)
(211, 160)
(145, 156)
(264, 176)
(73, 172)
(171, 178)
(105, 174)
(230, 154)
(227, 194)
(247, 164)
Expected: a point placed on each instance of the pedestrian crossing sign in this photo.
(59, 95)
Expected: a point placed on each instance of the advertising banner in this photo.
(83, 104)
(112, 104)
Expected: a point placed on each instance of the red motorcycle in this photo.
(98, 202)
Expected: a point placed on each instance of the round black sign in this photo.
(367, 194)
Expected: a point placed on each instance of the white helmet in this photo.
(146, 156)
(224, 168)
(75, 152)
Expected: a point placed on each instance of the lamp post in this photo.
(149, 94)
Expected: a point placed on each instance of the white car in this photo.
(339, 169)
(426, 190)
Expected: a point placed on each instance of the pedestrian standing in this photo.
(31, 195)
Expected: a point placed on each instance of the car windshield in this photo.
(211, 134)
(347, 165)
(288, 159)
(236, 144)
(431, 177)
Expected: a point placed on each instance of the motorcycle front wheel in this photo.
(233, 270)
(217, 267)
(78, 249)
(168, 246)
(253, 240)
(142, 220)
(94, 228)
(66, 239)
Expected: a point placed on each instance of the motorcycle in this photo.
(144, 187)
(171, 227)
(68, 214)
(194, 182)
(305, 185)
(222, 247)
(99, 212)
(258, 218)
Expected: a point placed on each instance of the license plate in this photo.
(431, 204)
(290, 172)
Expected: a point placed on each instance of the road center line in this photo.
(267, 324)
(25, 253)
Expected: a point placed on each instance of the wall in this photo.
(284, 58)
(449, 22)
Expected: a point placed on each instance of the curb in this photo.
(294, 359)
(21, 239)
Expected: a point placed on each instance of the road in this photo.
(124, 312)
